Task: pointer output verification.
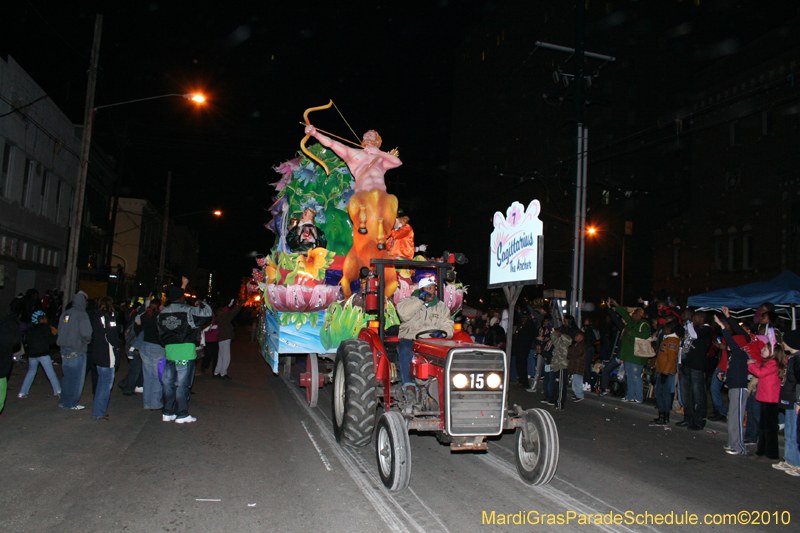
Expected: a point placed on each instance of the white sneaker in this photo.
(186, 419)
(77, 408)
(783, 465)
(168, 418)
(22, 396)
(140, 390)
(793, 471)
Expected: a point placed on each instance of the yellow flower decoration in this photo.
(314, 261)
(271, 270)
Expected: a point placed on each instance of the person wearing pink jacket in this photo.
(770, 373)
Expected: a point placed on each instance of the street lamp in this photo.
(195, 97)
(76, 220)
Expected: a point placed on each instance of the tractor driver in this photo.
(420, 312)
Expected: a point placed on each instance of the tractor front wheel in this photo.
(537, 459)
(393, 451)
(354, 396)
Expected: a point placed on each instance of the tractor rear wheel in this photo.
(393, 449)
(354, 396)
(537, 464)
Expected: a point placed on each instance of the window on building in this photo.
(734, 134)
(766, 123)
(43, 193)
(23, 251)
(717, 263)
(606, 198)
(676, 257)
(747, 247)
(36, 256)
(733, 245)
(26, 179)
(5, 175)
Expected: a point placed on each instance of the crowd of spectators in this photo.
(90, 337)
(674, 358)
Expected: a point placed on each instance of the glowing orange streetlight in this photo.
(217, 213)
(591, 230)
(199, 98)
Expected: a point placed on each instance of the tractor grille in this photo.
(475, 412)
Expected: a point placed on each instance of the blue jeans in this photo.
(577, 385)
(634, 389)
(716, 395)
(532, 363)
(664, 393)
(177, 380)
(151, 355)
(47, 365)
(73, 365)
(105, 380)
(404, 356)
(791, 454)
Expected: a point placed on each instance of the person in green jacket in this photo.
(636, 326)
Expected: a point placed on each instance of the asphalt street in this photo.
(258, 459)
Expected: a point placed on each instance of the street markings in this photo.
(319, 451)
(397, 517)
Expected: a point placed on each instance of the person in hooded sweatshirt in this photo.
(74, 336)
(37, 347)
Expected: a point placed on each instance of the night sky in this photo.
(387, 66)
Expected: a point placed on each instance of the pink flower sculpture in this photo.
(301, 298)
(403, 290)
(453, 298)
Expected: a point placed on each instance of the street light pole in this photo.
(164, 233)
(76, 220)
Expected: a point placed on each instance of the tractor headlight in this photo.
(460, 381)
(493, 381)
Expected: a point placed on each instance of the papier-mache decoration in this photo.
(301, 298)
(516, 246)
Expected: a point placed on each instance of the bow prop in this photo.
(308, 136)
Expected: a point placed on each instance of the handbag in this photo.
(643, 348)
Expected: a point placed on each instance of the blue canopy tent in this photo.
(783, 291)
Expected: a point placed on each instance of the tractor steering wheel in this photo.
(431, 331)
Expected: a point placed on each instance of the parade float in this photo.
(332, 216)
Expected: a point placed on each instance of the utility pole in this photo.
(76, 220)
(576, 283)
(164, 234)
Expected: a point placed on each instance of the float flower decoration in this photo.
(301, 298)
(454, 297)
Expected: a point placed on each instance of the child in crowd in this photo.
(736, 377)
(666, 369)
(576, 354)
(770, 373)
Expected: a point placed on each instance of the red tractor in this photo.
(461, 395)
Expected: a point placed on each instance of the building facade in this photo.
(40, 163)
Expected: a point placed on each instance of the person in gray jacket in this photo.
(74, 335)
